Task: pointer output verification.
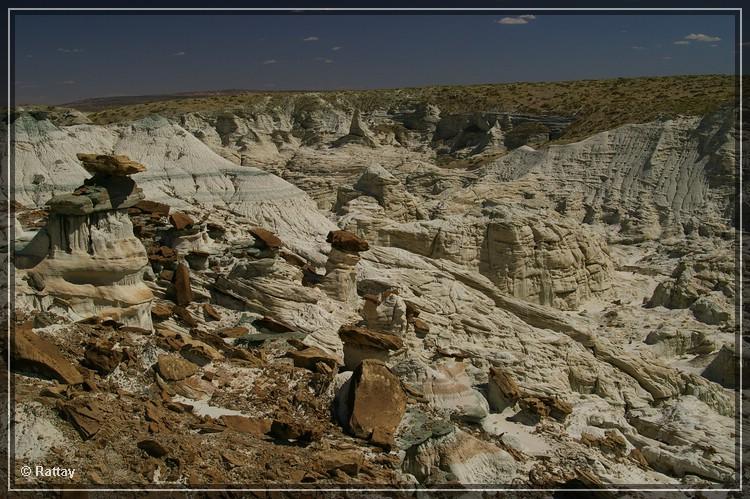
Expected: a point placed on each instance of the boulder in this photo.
(373, 403)
(174, 368)
(459, 456)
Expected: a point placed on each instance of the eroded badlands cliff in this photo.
(317, 294)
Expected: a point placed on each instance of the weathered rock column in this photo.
(340, 281)
(94, 264)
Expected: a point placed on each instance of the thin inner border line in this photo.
(302, 10)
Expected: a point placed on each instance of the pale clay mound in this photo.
(595, 276)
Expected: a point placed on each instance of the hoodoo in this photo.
(86, 261)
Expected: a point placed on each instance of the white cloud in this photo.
(637, 47)
(179, 54)
(311, 39)
(700, 37)
(517, 20)
(325, 60)
(336, 48)
(714, 45)
(69, 51)
(681, 42)
(68, 82)
(270, 61)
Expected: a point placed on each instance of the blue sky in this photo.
(65, 57)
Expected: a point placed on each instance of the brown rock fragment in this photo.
(153, 207)
(108, 164)
(161, 311)
(346, 241)
(506, 384)
(183, 291)
(84, 415)
(185, 316)
(309, 357)
(31, 351)
(102, 357)
(252, 426)
(375, 403)
(210, 312)
(173, 368)
(362, 336)
(348, 461)
(153, 448)
(233, 332)
(266, 238)
(180, 220)
(421, 327)
(273, 325)
(199, 353)
(292, 430)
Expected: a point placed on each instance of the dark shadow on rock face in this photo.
(118, 189)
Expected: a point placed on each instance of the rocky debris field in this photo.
(314, 297)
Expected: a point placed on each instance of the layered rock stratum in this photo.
(403, 295)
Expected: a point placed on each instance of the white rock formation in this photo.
(182, 172)
(86, 261)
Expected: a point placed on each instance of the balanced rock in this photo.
(340, 281)
(266, 238)
(87, 258)
(361, 343)
(108, 164)
(346, 241)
